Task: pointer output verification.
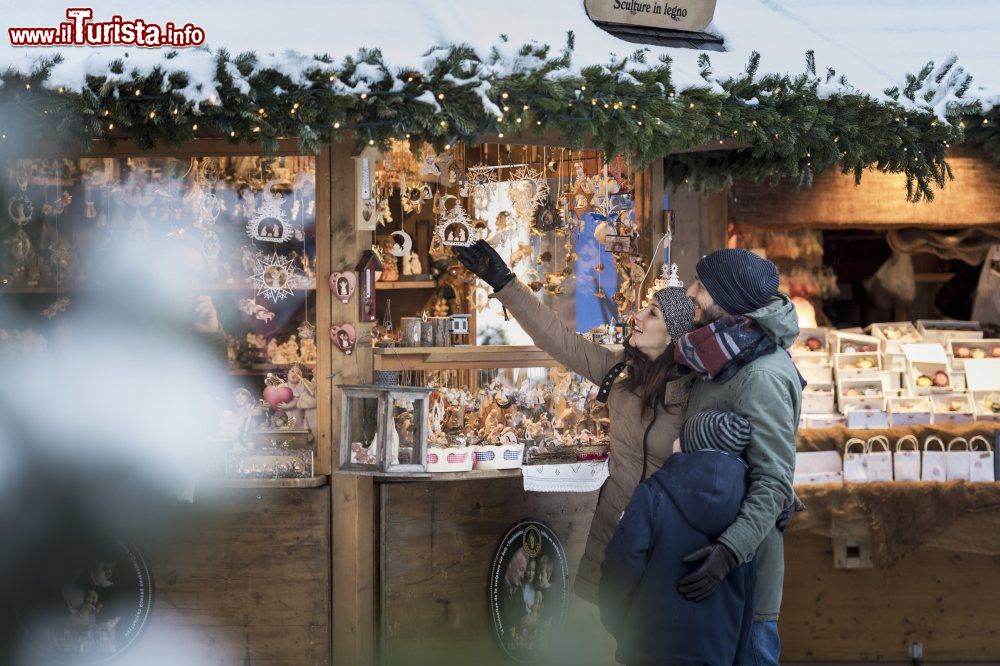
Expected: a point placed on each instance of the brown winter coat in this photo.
(628, 420)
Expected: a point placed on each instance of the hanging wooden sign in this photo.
(680, 15)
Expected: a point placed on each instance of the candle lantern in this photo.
(384, 428)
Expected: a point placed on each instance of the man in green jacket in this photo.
(740, 356)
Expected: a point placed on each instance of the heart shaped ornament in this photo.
(343, 284)
(344, 337)
(276, 396)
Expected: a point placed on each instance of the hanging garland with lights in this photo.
(777, 126)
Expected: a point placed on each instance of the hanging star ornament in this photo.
(482, 182)
(273, 276)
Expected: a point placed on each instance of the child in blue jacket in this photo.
(685, 506)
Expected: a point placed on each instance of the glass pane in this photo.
(363, 416)
(409, 428)
(220, 250)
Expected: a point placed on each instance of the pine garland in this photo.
(784, 127)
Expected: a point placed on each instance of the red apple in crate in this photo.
(995, 351)
(276, 395)
(961, 351)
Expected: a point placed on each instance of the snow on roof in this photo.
(874, 43)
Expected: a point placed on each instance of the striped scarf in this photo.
(718, 351)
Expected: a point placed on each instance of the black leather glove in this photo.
(703, 581)
(785, 517)
(483, 260)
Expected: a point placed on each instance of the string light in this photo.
(256, 129)
(194, 127)
(336, 125)
(364, 95)
(440, 95)
(504, 95)
(152, 114)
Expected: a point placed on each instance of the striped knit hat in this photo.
(677, 310)
(738, 280)
(712, 429)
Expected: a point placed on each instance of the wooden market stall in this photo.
(877, 571)
(293, 179)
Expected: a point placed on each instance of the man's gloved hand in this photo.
(786, 516)
(483, 260)
(702, 582)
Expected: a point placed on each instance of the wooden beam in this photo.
(878, 202)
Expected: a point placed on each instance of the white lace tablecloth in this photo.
(582, 477)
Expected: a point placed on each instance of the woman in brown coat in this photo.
(646, 406)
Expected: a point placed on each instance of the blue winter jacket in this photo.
(685, 506)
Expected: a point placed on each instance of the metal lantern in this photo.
(384, 428)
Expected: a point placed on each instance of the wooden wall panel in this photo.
(437, 541)
(247, 576)
(879, 201)
(947, 601)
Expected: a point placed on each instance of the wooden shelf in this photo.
(405, 284)
(474, 475)
(462, 358)
(309, 482)
(466, 357)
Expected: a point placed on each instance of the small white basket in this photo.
(456, 459)
(503, 456)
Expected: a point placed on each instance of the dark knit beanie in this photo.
(738, 280)
(712, 429)
(677, 310)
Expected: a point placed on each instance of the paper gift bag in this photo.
(854, 462)
(935, 463)
(958, 459)
(878, 459)
(980, 460)
(906, 463)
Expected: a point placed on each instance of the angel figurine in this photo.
(302, 406)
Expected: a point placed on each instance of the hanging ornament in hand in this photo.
(273, 276)
(454, 224)
(269, 223)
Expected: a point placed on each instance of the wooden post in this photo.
(353, 503)
(700, 227)
(353, 558)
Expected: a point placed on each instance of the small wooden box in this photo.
(909, 410)
(276, 438)
(894, 334)
(943, 330)
(270, 464)
(942, 404)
